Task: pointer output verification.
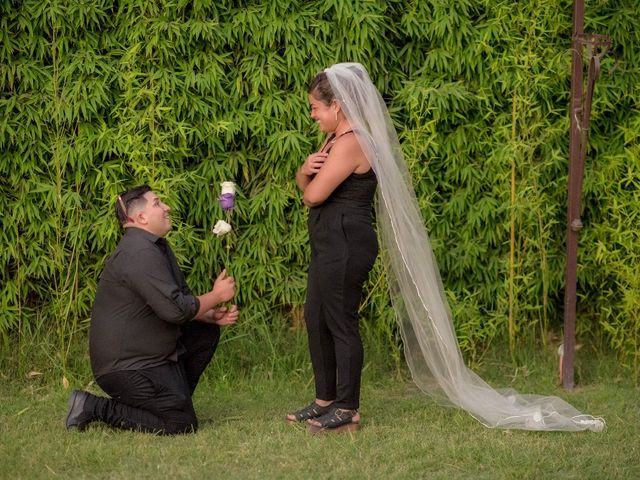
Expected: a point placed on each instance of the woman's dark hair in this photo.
(321, 89)
(128, 199)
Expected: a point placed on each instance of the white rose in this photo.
(228, 187)
(220, 228)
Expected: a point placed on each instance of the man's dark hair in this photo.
(129, 199)
(321, 89)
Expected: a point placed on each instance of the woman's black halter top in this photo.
(358, 189)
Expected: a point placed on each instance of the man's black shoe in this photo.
(76, 416)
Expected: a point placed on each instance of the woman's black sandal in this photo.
(310, 411)
(336, 420)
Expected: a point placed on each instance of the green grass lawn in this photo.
(405, 434)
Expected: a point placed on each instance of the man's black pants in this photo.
(158, 400)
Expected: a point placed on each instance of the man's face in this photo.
(156, 215)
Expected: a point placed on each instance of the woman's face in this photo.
(326, 116)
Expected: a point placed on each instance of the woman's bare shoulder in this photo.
(348, 148)
(347, 144)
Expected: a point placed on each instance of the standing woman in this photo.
(339, 187)
(339, 183)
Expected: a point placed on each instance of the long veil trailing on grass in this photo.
(430, 344)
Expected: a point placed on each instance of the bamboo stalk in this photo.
(512, 240)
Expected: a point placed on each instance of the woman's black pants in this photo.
(343, 250)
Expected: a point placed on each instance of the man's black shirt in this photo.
(141, 301)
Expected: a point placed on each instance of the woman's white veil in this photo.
(430, 344)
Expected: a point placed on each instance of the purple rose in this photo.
(227, 201)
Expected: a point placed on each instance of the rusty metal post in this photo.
(580, 111)
(573, 209)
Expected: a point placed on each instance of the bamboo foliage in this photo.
(98, 96)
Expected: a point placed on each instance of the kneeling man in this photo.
(150, 338)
